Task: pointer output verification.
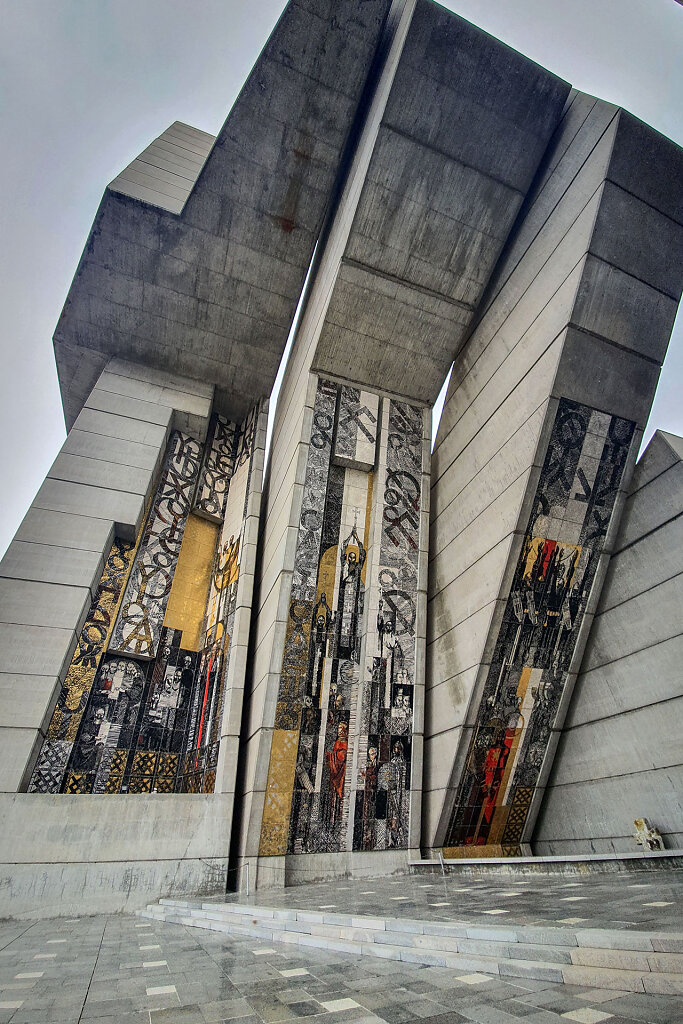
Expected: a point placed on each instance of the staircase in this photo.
(621, 960)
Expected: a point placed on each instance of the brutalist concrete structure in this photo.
(363, 650)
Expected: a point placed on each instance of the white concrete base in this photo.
(89, 854)
(298, 869)
(570, 864)
(34, 891)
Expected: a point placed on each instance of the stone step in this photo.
(663, 951)
(599, 958)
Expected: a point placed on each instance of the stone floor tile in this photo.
(587, 1015)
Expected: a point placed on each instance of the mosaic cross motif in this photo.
(138, 628)
(357, 426)
(572, 508)
(217, 468)
(344, 716)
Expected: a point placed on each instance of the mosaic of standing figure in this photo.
(140, 709)
(571, 512)
(339, 775)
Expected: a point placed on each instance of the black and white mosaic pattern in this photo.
(138, 628)
(340, 769)
(571, 511)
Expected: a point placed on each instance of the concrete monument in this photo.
(364, 649)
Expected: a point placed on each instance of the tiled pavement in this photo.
(646, 900)
(124, 970)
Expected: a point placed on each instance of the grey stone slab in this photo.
(644, 621)
(98, 473)
(620, 381)
(576, 812)
(18, 749)
(27, 700)
(120, 405)
(618, 306)
(621, 745)
(30, 603)
(459, 123)
(617, 687)
(656, 459)
(639, 239)
(656, 557)
(137, 374)
(123, 427)
(35, 650)
(123, 508)
(112, 450)
(648, 165)
(51, 564)
(63, 529)
(651, 506)
(570, 162)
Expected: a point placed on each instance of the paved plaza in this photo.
(128, 970)
(647, 900)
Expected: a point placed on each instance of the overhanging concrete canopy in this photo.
(465, 127)
(210, 292)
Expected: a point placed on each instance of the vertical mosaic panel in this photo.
(330, 715)
(217, 467)
(200, 753)
(49, 773)
(355, 439)
(138, 627)
(571, 511)
(152, 724)
(384, 764)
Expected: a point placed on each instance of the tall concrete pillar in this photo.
(545, 409)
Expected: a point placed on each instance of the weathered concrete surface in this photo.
(620, 755)
(211, 290)
(582, 275)
(63, 855)
(455, 154)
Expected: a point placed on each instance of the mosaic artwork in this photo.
(127, 724)
(138, 628)
(570, 515)
(217, 468)
(56, 750)
(355, 437)
(339, 775)
(200, 756)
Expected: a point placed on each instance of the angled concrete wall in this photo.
(620, 756)
(97, 488)
(283, 492)
(582, 275)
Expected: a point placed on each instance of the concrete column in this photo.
(97, 488)
(580, 308)
(286, 473)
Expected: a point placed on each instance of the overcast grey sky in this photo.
(85, 85)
